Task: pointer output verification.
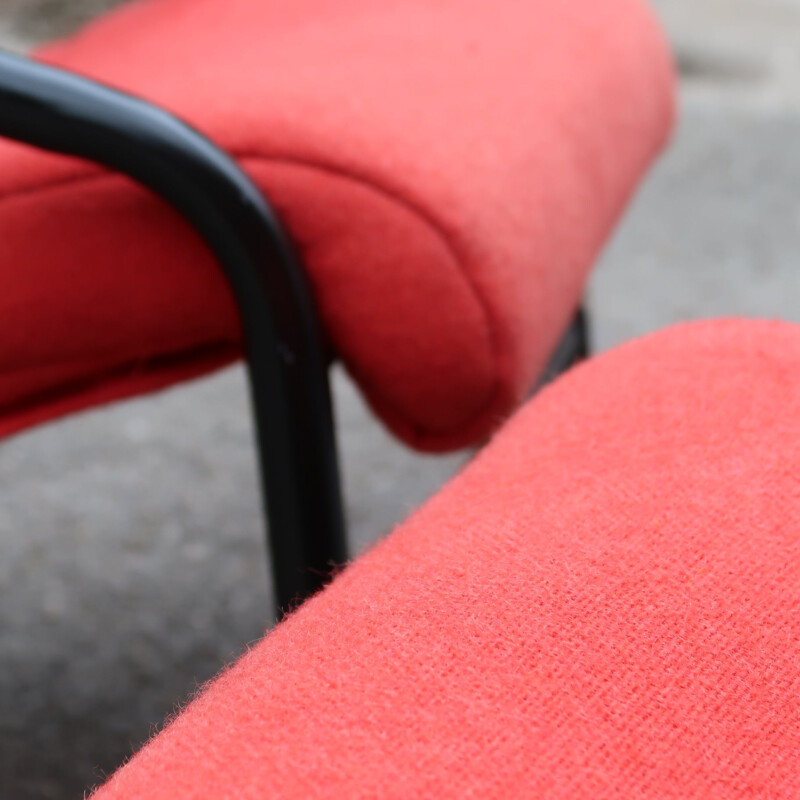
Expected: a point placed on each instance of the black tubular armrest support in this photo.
(64, 113)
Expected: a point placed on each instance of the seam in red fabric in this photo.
(194, 362)
(423, 215)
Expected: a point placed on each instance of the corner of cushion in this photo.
(472, 407)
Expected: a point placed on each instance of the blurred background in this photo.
(132, 563)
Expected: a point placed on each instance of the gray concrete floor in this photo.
(132, 564)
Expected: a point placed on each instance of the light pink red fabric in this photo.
(605, 604)
(449, 170)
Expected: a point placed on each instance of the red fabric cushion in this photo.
(605, 604)
(448, 170)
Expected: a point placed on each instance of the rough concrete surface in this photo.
(131, 561)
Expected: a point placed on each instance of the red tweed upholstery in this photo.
(448, 169)
(606, 604)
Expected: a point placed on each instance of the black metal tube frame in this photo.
(572, 349)
(61, 112)
(64, 113)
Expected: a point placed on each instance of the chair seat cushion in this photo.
(605, 604)
(447, 170)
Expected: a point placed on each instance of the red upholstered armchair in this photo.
(604, 604)
(440, 177)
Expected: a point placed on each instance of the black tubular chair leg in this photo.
(63, 113)
(573, 348)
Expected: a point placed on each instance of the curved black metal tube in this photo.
(58, 111)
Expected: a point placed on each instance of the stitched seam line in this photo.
(395, 197)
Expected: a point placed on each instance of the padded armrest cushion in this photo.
(605, 604)
(448, 170)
